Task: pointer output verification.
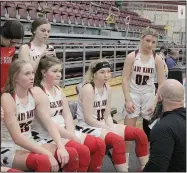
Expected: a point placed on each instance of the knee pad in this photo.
(73, 163)
(94, 144)
(138, 135)
(38, 163)
(116, 142)
(97, 149)
(13, 170)
(83, 153)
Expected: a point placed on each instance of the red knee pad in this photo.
(138, 135)
(97, 149)
(73, 163)
(13, 170)
(116, 142)
(38, 163)
(83, 153)
(94, 144)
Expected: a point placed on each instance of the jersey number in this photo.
(58, 112)
(25, 127)
(100, 112)
(141, 80)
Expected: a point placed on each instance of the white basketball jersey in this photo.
(25, 117)
(99, 106)
(56, 109)
(142, 75)
(35, 52)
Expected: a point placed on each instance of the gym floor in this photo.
(118, 102)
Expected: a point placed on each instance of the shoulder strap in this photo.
(154, 54)
(30, 92)
(136, 52)
(29, 45)
(92, 83)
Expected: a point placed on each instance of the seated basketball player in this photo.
(37, 47)
(48, 76)
(5, 169)
(94, 112)
(18, 149)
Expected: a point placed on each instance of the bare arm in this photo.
(87, 95)
(67, 115)
(160, 73)
(107, 115)
(126, 75)
(13, 127)
(43, 114)
(24, 52)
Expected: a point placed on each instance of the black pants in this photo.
(146, 129)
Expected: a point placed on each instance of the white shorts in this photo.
(142, 103)
(8, 153)
(85, 128)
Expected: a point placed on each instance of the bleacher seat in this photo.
(11, 9)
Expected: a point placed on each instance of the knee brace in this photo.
(83, 154)
(13, 170)
(73, 164)
(117, 143)
(97, 149)
(138, 135)
(38, 163)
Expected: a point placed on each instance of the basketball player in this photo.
(138, 79)
(94, 113)
(37, 47)
(5, 169)
(11, 33)
(18, 149)
(48, 76)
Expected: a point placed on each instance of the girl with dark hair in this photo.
(37, 47)
(21, 103)
(48, 76)
(11, 33)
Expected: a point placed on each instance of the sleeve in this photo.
(161, 149)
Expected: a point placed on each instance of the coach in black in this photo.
(168, 136)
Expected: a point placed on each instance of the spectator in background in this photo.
(168, 136)
(11, 33)
(172, 57)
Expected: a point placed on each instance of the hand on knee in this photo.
(73, 164)
(83, 153)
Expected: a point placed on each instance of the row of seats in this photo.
(72, 13)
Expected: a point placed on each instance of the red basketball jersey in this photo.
(6, 58)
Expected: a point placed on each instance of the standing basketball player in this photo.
(37, 47)
(11, 33)
(48, 76)
(138, 79)
(18, 149)
(94, 109)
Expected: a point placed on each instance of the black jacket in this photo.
(168, 143)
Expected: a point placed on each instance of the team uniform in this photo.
(35, 52)
(56, 109)
(6, 58)
(141, 86)
(99, 106)
(25, 117)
